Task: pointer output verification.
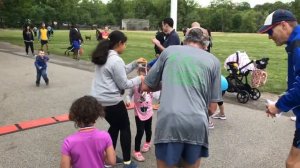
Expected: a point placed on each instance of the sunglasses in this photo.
(270, 31)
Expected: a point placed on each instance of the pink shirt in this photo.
(86, 148)
(142, 104)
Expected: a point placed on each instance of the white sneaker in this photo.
(211, 125)
(219, 116)
(293, 118)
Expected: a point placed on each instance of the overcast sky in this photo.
(252, 2)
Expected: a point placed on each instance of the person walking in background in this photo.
(282, 27)
(76, 40)
(224, 87)
(89, 147)
(28, 39)
(210, 40)
(161, 37)
(108, 87)
(98, 34)
(143, 116)
(74, 34)
(189, 78)
(41, 68)
(43, 37)
(105, 32)
(35, 30)
(49, 29)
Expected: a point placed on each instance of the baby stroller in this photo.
(239, 67)
(69, 49)
(76, 49)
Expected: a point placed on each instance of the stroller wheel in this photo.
(242, 96)
(254, 94)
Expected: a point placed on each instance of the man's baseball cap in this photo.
(275, 18)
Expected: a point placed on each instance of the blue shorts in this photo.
(171, 153)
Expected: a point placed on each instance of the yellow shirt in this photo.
(43, 33)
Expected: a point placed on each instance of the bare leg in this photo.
(47, 48)
(221, 107)
(196, 165)
(162, 164)
(293, 160)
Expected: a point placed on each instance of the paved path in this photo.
(247, 139)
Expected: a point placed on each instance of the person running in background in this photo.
(88, 147)
(43, 37)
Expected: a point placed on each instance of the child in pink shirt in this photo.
(89, 147)
(143, 116)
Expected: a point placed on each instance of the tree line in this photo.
(220, 15)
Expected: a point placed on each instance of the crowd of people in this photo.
(189, 78)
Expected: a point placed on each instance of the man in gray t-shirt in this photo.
(190, 88)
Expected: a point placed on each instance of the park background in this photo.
(234, 26)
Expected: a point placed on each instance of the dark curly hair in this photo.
(85, 111)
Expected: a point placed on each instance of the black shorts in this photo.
(296, 141)
(43, 42)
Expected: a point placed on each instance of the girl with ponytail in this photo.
(108, 86)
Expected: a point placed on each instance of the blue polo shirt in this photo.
(291, 99)
(172, 39)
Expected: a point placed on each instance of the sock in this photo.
(128, 162)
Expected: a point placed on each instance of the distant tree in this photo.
(236, 22)
(248, 22)
(117, 8)
(243, 6)
(295, 6)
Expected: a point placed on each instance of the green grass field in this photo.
(139, 45)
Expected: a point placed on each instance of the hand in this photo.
(272, 110)
(141, 61)
(155, 41)
(40, 68)
(127, 103)
(142, 78)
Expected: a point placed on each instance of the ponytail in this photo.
(100, 54)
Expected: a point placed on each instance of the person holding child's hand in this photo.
(108, 87)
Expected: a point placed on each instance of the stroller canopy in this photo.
(241, 58)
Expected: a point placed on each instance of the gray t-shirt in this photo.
(190, 80)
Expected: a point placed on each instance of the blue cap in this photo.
(276, 17)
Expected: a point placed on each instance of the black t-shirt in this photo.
(160, 36)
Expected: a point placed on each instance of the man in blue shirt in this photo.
(172, 37)
(282, 28)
